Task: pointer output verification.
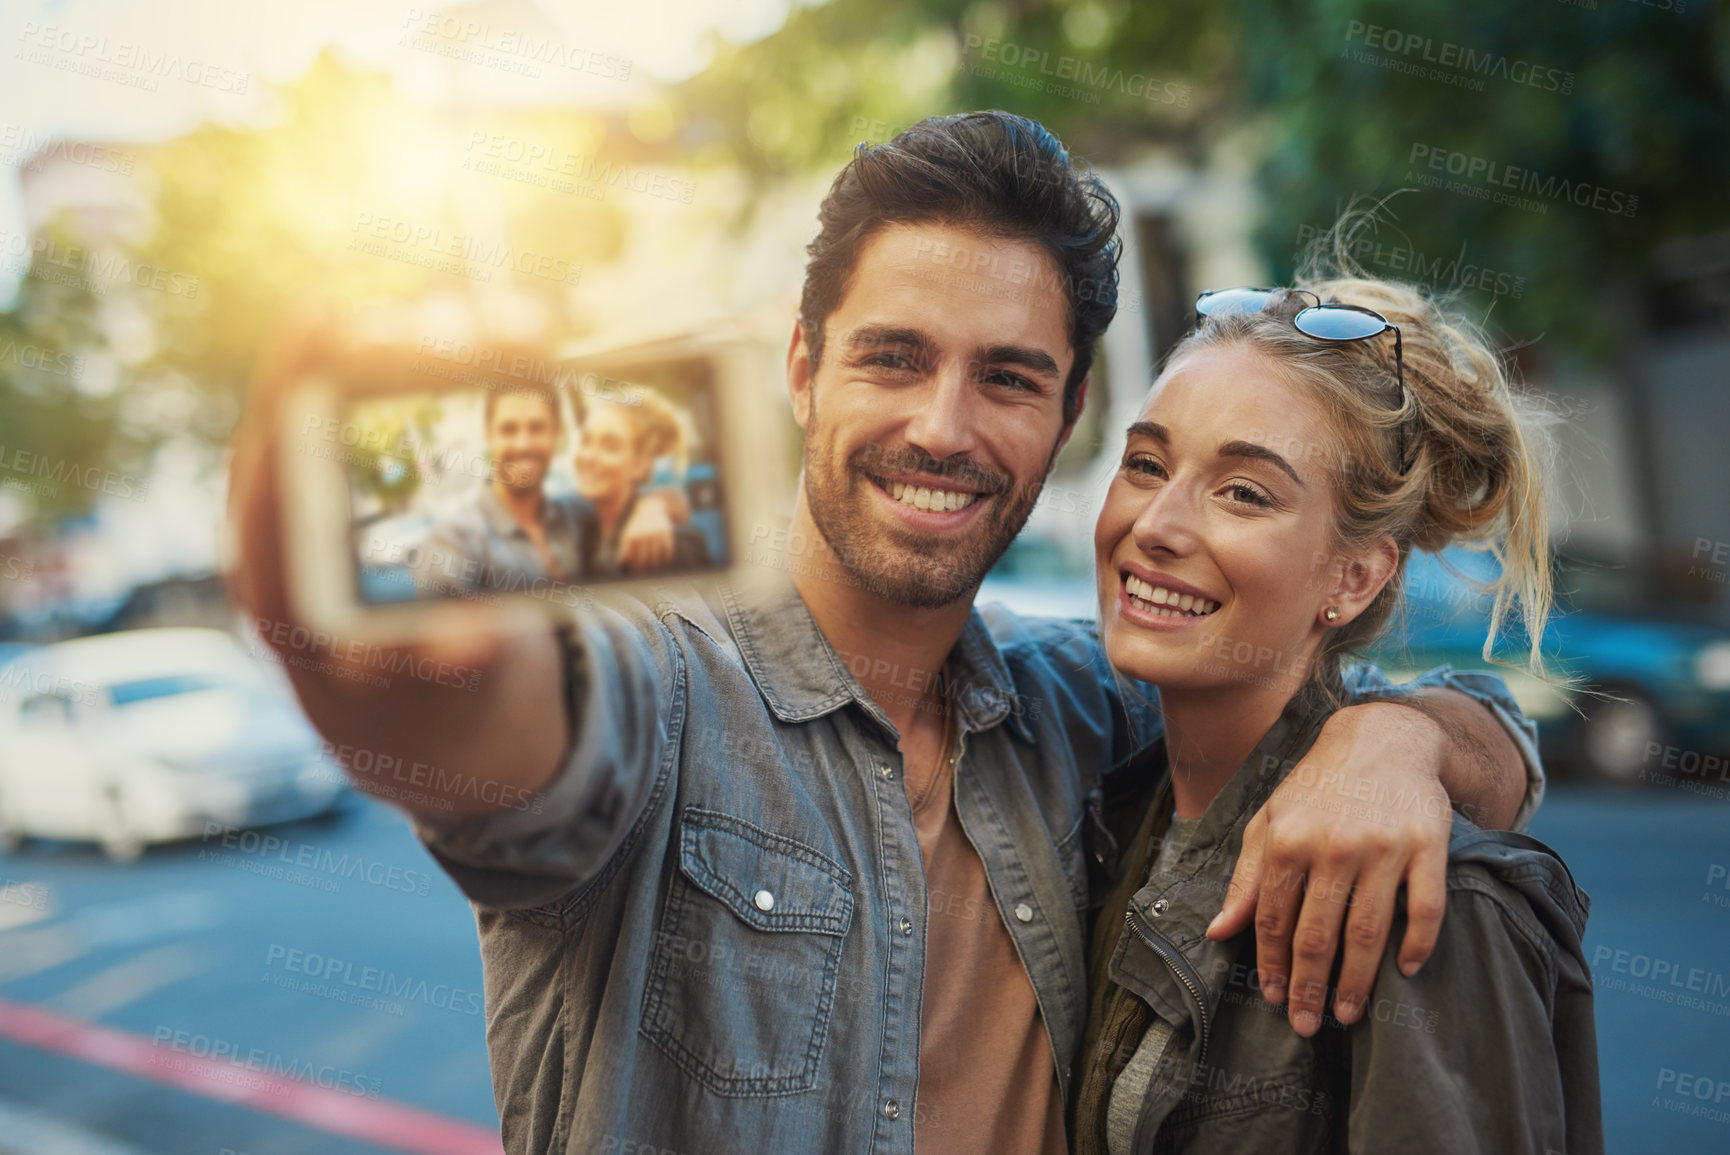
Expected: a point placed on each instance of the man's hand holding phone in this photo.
(502, 723)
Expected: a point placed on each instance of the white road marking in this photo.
(24, 903)
(114, 924)
(127, 982)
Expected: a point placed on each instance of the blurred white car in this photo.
(145, 736)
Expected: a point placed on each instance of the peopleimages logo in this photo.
(496, 154)
(35, 149)
(317, 859)
(136, 65)
(327, 977)
(1453, 63)
(1047, 73)
(49, 473)
(257, 1061)
(1488, 176)
(506, 49)
(465, 255)
(43, 360)
(43, 257)
(1414, 264)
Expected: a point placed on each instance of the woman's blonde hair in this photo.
(655, 424)
(1478, 451)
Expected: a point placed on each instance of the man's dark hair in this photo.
(1001, 175)
(539, 389)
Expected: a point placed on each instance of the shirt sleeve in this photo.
(1365, 680)
(624, 697)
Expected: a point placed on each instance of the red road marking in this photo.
(378, 1121)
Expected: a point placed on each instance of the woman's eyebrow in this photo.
(1259, 453)
(1151, 429)
(1157, 432)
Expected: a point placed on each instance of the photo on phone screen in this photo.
(535, 486)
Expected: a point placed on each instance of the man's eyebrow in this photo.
(1259, 453)
(1159, 433)
(883, 336)
(1038, 360)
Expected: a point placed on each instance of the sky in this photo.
(131, 71)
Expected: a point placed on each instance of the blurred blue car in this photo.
(1652, 696)
(1652, 700)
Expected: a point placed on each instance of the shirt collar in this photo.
(498, 518)
(801, 676)
(555, 514)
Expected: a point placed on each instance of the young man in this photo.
(510, 531)
(771, 900)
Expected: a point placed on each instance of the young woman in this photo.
(618, 443)
(1299, 444)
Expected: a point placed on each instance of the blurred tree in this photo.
(1342, 99)
(355, 193)
(1605, 122)
(351, 193)
(392, 475)
(59, 431)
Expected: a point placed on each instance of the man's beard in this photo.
(902, 566)
(522, 472)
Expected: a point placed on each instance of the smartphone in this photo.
(502, 475)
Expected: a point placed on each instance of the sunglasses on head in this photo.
(1324, 321)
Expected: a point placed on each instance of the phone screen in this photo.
(534, 487)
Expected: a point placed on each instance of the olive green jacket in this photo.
(1490, 1047)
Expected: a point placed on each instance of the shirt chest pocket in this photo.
(742, 981)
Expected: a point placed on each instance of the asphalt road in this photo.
(338, 957)
(1654, 862)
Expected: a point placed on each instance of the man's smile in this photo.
(928, 494)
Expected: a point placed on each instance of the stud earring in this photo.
(1333, 614)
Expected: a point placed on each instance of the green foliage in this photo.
(1627, 101)
(53, 430)
(248, 220)
(1626, 105)
(263, 217)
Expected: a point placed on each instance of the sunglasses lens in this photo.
(1332, 323)
(1224, 301)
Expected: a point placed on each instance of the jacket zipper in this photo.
(1179, 967)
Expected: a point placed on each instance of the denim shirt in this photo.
(708, 934)
(479, 547)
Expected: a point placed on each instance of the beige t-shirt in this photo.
(987, 1084)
